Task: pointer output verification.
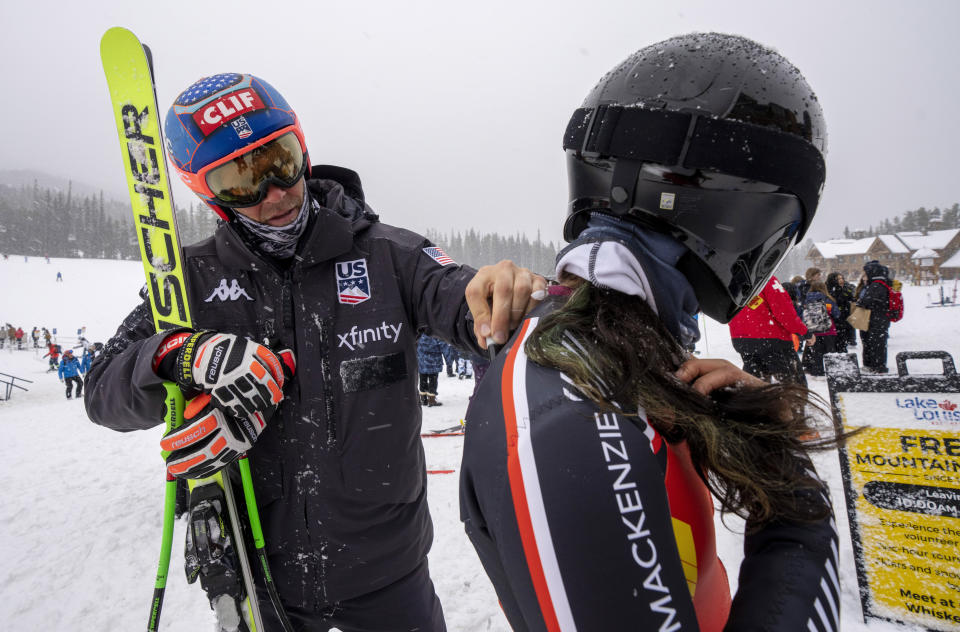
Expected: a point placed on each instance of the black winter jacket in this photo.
(876, 297)
(339, 471)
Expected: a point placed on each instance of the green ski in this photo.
(127, 65)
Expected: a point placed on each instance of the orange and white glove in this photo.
(242, 376)
(209, 438)
(236, 384)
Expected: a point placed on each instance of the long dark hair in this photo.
(743, 441)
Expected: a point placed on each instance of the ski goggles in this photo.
(241, 179)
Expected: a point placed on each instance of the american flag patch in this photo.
(437, 254)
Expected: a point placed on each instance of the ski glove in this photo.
(210, 438)
(242, 376)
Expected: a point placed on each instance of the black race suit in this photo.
(588, 520)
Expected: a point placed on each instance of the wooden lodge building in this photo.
(912, 256)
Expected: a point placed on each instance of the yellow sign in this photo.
(903, 494)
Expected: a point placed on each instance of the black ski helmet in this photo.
(713, 139)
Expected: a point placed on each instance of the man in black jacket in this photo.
(302, 263)
(876, 298)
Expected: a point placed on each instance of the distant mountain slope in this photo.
(26, 177)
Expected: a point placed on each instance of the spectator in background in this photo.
(811, 275)
(480, 366)
(450, 356)
(861, 285)
(87, 359)
(35, 336)
(876, 298)
(69, 372)
(53, 352)
(819, 299)
(464, 368)
(791, 289)
(3, 336)
(762, 333)
(842, 293)
(429, 364)
(18, 334)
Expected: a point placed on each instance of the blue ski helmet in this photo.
(220, 116)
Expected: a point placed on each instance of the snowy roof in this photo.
(935, 239)
(952, 262)
(893, 244)
(925, 253)
(836, 247)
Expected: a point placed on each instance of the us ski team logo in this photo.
(353, 285)
(225, 292)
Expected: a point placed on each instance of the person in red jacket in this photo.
(19, 336)
(762, 334)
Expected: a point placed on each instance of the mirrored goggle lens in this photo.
(240, 182)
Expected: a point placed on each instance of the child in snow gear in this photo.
(53, 352)
(450, 356)
(842, 292)
(86, 360)
(591, 395)
(347, 525)
(464, 368)
(819, 306)
(69, 372)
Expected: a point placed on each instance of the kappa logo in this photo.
(231, 292)
(353, 284)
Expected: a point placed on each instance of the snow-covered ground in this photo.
(81, 512)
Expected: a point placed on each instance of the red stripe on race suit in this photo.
(518, 490)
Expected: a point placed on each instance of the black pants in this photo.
(410, 603)
(875, 349)
(813, 354)
(428, 383)
(70, 381)
(770, 358)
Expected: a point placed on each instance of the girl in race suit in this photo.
(590, 466)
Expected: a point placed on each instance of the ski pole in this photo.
(173, 417)
(246, 478)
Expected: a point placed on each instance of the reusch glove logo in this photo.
(216, 355)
